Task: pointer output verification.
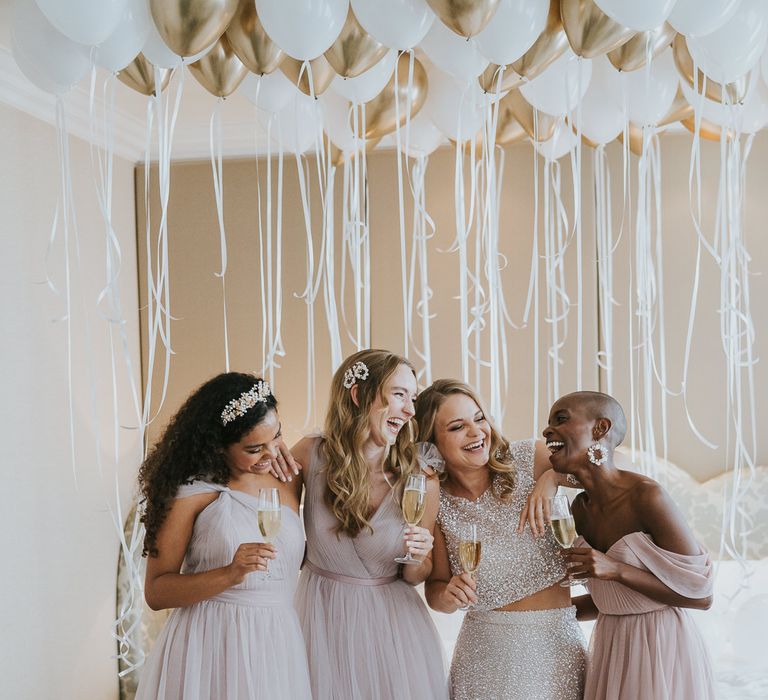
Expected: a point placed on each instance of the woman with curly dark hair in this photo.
(234, 633)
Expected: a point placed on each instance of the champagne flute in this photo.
(563, 528)
(414, 503)
(470, 550)
(269, 513)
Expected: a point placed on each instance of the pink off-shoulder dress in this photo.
(642, 649)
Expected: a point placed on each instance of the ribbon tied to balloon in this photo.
(322, 74)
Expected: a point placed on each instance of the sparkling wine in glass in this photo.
(563, 528)
(269, 514)
(413, 504)
(470, 550)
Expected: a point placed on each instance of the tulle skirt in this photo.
(371, 642)
(657, 655)
(217, 650)
(519, 655)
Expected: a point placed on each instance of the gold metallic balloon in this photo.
(139, 74)
(465, 17)
(538, 125)
(189, 26)
(635, 138)
(734, 92)
(707, 129)
(508, 129)
(680, 109)
(380, 112)
(489, 77)
(322, 74)
(250, 42)
(220, 71)
(354, 51)
(590, 31)
(549, 46)
(634, 54)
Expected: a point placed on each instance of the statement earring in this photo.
(596, 453)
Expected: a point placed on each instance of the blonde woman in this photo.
(367, 631)
(520, 638)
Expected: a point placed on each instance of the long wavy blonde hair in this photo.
(347, 428)
(500, 460)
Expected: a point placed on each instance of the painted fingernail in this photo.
(290, 478)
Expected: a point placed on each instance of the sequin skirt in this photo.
(519, 656)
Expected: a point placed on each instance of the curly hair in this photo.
(347, 427)
(500, 460)
(192, 446)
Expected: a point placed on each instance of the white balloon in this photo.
(701, 17)
(732, 51)
(456, 108)
(48, 58)
(337, 123)
(637, 14)
(423, 136)
(295, 128)
(601, 114)
(86, 22)
(563, 141)
(303, 28)
(125, 43)
(651, 90)
(515, 25)
(367, 85)
(452, 53)
(270, 92)
(399, 24)
(559, 88)
(747, 118)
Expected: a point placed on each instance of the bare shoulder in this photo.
(661, 518)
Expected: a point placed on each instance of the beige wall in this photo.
(197, 298)
(59, 545)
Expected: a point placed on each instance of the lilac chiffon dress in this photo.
(368, 633)
(642, 649)
(244, 643)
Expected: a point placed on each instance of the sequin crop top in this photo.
(512, 566)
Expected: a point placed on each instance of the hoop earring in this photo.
(596, 453)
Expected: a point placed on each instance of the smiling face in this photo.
(254, 452)
(462, 433)
(570, 431)
(393, 407)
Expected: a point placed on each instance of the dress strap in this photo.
(198, 487)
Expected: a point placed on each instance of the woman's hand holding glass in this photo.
(418, 540)
(462, 590)
(564, 529)
(250, 557)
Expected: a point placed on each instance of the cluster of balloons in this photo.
(555, 67)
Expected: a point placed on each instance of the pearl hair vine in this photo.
(259, 393)
(358, 371)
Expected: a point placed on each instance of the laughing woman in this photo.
(520, 638)
(642, 563)
(233, 633)
(367, 631)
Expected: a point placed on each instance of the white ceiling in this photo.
(241, 133)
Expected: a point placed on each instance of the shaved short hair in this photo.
(600, 405)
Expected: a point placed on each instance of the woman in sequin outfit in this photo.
(520, 639)
(642, 563)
